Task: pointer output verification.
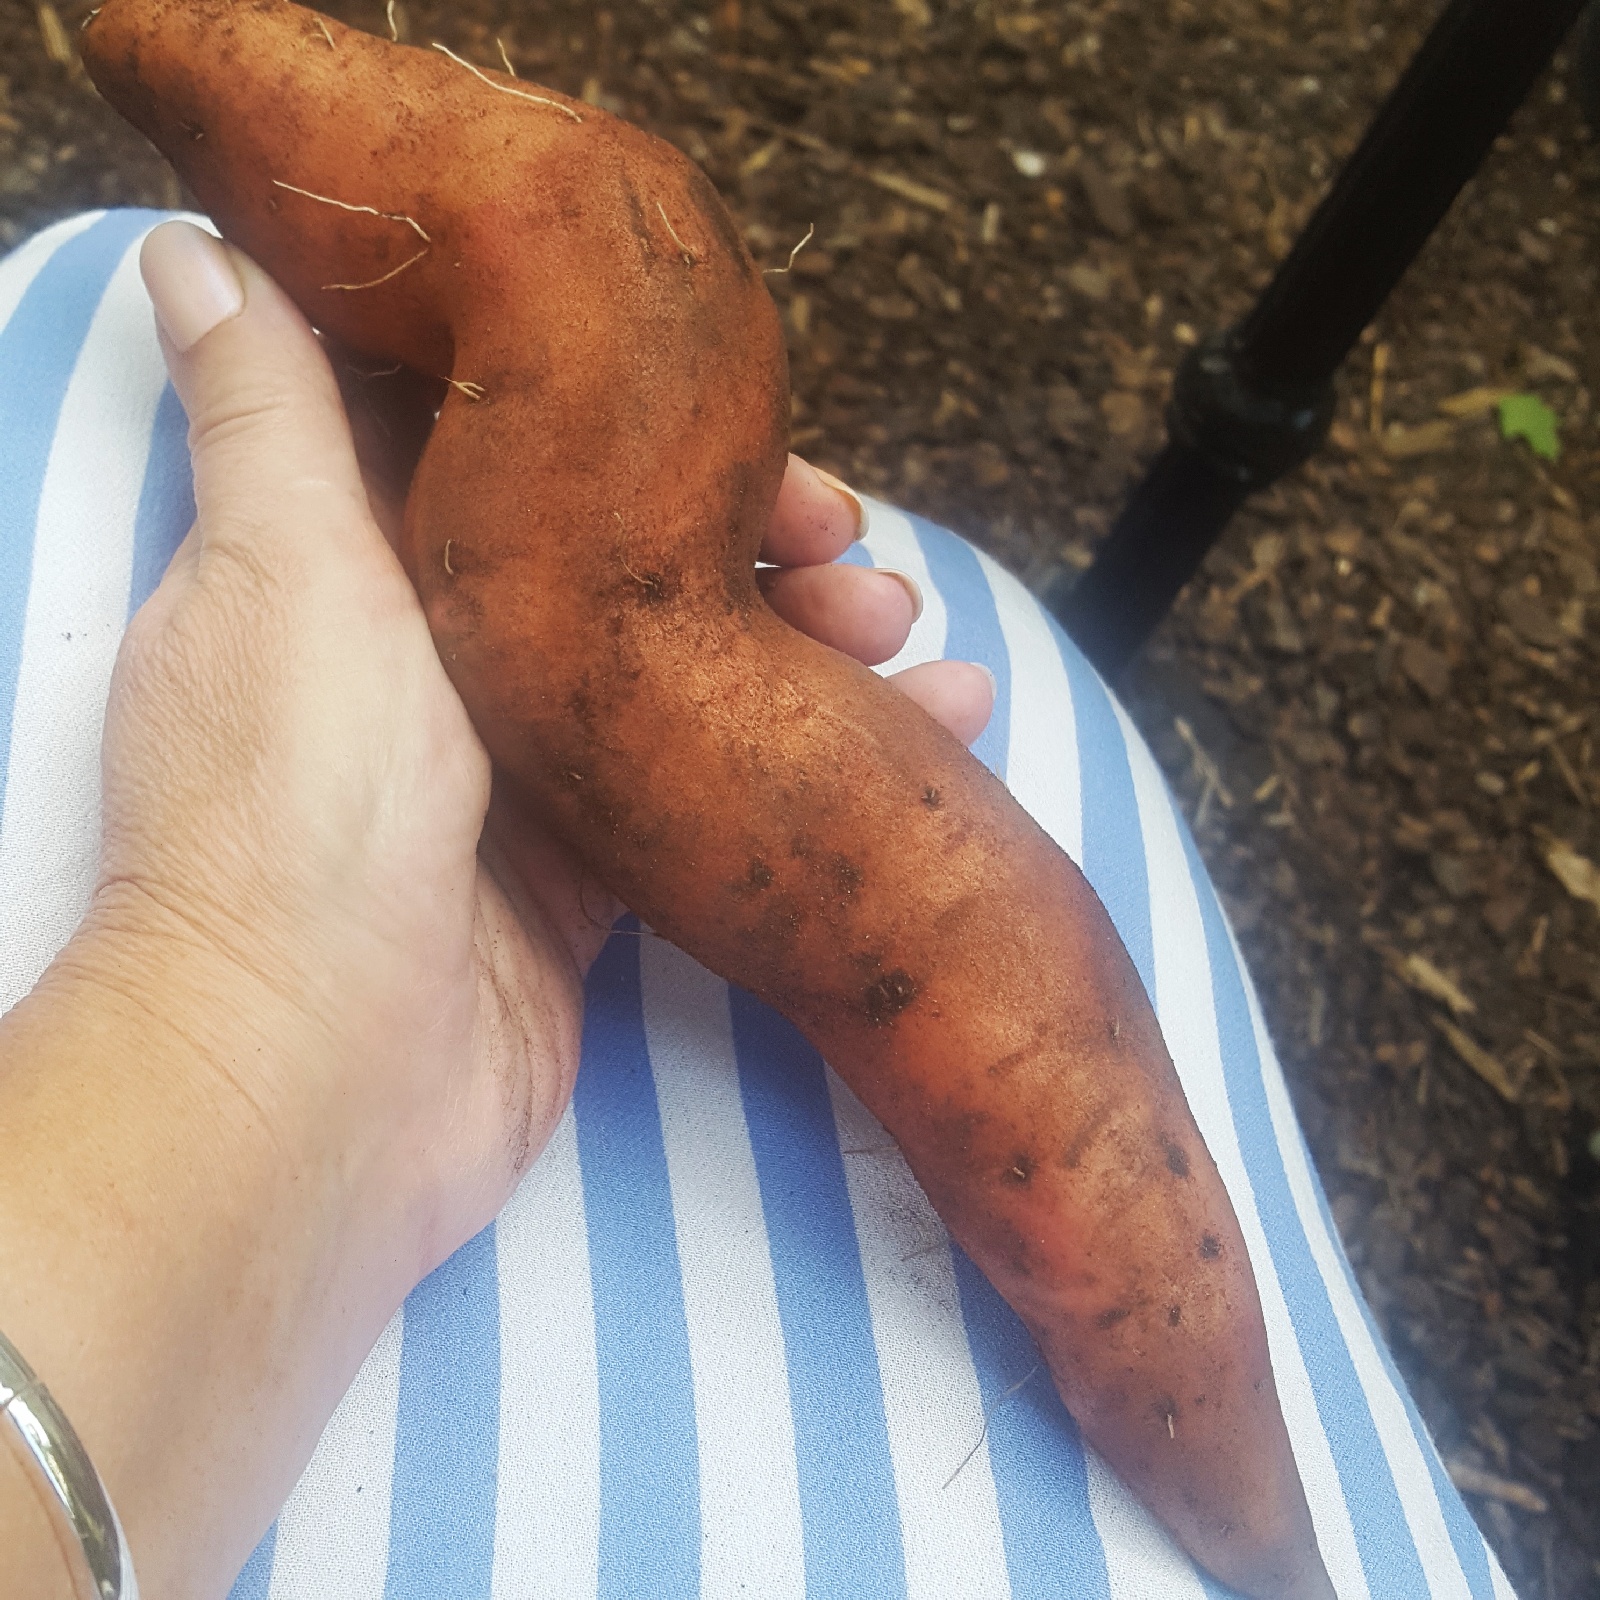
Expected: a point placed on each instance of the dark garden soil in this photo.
(1378, 701)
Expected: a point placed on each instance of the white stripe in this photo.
(27, 261)
(892, 542)
(751, 1532)
(1497, 1578)
(333, 1533)
(547, 1506)
(1141, 1558)
(1186, 1009)
(77, 606)
(1413, 1480)
(949, 1526)
(1042, 747)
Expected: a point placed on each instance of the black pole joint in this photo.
(1249, 432)
(1229, 435)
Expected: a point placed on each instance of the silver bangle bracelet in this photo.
(75, 1496)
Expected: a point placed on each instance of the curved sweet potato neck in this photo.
(579, 281)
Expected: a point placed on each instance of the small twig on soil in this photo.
(1206, 771)
(500, 88)
(56, 43)
(1375, 396)
(984, 1433)
(473, 391)
(811, 233)
(393, 272)
(921, 194)
(1568, 776)
(689, 257)
(370, 211)
(500, 45)
(325, 34)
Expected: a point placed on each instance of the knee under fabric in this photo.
(718, 1343)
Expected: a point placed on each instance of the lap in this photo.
(718, 1342)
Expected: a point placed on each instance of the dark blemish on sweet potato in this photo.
(886, 997)
(1210, 1247)
(1174, 1316)
(1109, 1319)
(1020, 1170)
(1073, 1154)
(580, 707)
(651, 588)
(1177, 1161)
(931, 798)
(760, 874)
(637, 225)
(801, 845)
(1008, 1063)
(847, 876)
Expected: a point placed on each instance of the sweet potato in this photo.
(582, 531)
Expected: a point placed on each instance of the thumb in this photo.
(271, 445)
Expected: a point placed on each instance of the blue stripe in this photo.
(972, 629)
(649, 1448)
(447, 1433)
(1388, 1554)
(1041, 1479)
(253, 1582)
(849, 1512)
(39, 348)
(1113, 847)
(166, 500)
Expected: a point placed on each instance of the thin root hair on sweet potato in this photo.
(582, 530)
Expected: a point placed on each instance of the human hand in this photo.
(290, 776)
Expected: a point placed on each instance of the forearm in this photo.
(172, 1252)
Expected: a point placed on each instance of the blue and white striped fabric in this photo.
(718, 1344)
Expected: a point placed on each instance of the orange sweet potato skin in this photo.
(582, 531)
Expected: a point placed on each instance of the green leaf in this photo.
(1526, 416)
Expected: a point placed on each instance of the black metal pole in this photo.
(1255, 403)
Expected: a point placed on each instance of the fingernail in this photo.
(193, 285)
(994, 682)
(862, 520)
(911, 589)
